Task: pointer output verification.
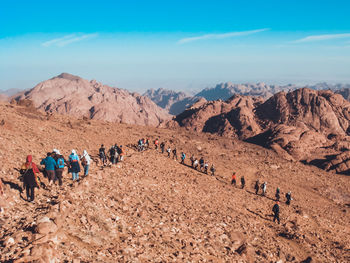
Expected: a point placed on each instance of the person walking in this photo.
(112, 152)
(85, 162)
(242, 182)
(277, 195)
(201, 164)
(276, 212)
(263, 188)
(289, 197)
(183, 157)
(162, 146)
(74, 167)
(168, 151)
(195, 164)
(29, 171)
(175, 154)
(60, 168)
(212, 170)
(256, 187)
(102, 154)
(156, 142)
(206, 165)
(122, 153)
(192, 161)
(50, 165)
(233, 180)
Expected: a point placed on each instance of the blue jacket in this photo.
(49, 163)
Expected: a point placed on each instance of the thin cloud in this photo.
(322, 37)
(68, 39)
(221, 36)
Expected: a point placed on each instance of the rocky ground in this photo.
(150, 208)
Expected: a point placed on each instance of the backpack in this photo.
(60, 163)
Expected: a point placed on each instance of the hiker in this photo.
(192, 160)
(289, 197)
(174, 154)
(85, 162)
(156, 142)
(168, 151)
(277, 195)
(206, 165)
(183, 157)
(162, 146)
(121, 153)
(212, 169)
(102, 154)
(201, 163)
(55, 154)
(60, 167)
(74, 167)
(117, 152)
(50, 165)
(233, 181)
(276, 212)
(256, 187)
(29, 172)
(112, 154)
(263, 187)
(195, 164)
(242, 182)
(147, 144)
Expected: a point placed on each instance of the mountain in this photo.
(69, 94)
(174, 102)
(303, 124)
(226, 90)
(345, 92)
(151, 208)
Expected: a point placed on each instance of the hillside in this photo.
(72, 95)
(151, 208)
(308, 125)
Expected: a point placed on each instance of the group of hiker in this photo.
(116, 154)
(54, 164)
(196, 164)
(202, 166)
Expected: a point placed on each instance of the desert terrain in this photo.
(151, 208)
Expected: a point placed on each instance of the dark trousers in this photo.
(50, 175)
(233, 181)
(30, 192)
(276, 216)
(59, 176)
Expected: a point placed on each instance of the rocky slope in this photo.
(151, 208)
(174, 102)
(68, 94)
(299, 125)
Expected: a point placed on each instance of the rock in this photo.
(45, 228)
(9, 241)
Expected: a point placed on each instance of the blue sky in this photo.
(181, 45)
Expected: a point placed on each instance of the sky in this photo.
(175, 44)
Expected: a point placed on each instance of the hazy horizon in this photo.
(178, 46)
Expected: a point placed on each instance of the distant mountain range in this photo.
(177, 102)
